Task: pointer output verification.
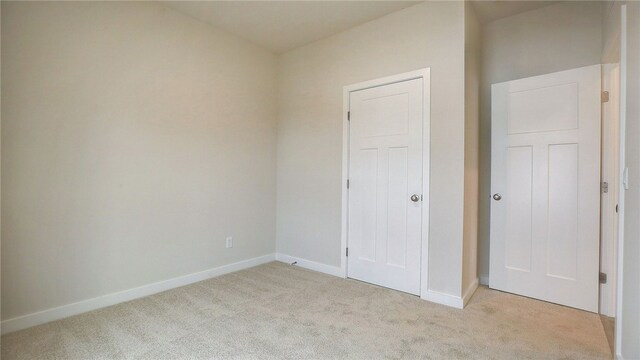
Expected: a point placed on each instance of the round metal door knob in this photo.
(497, 197)
(415, 198)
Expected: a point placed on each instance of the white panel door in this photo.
(545, 180)
(385, 175)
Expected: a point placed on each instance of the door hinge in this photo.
(605, 96)
(349, 115)
(616, 208)
(605, 187)
(347, 183)
(347, 252)
(603, 278)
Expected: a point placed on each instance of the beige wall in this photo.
(134, 139)
(312, 77)
(554, 38)
(611, 32)
(472, 58)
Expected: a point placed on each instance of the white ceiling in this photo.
(283, 25)
(280, 26)
(490, 10)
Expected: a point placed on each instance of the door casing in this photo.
(423, 74)
(610, 173)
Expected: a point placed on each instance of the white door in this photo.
(385, 173)
(545, 180)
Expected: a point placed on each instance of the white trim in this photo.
(622, 159)
(411, 75)
(344, 216)
(484, 280)
(452, 300)
(609, 173)
(45, 316)
(424, 74)
(310, 265)
(443, 299)
(426, 175)
(469, 292)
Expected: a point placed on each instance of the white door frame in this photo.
(425, 75)
(610, 173)
(622, 185)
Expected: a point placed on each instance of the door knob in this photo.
(497, 197)
(415, 198)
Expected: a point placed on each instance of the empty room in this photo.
(320, 180)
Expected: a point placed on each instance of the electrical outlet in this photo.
(229, 242)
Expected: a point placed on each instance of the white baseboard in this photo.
(451, 300)
(484, 280)
(311, 265)
(29, 320)
(469, 292)
(443, 299)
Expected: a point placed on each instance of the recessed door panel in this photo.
(562, 239)
(369, 163)
(543, 109)
(398, 201)
(519, 207)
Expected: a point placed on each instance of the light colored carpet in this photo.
(278, 311)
